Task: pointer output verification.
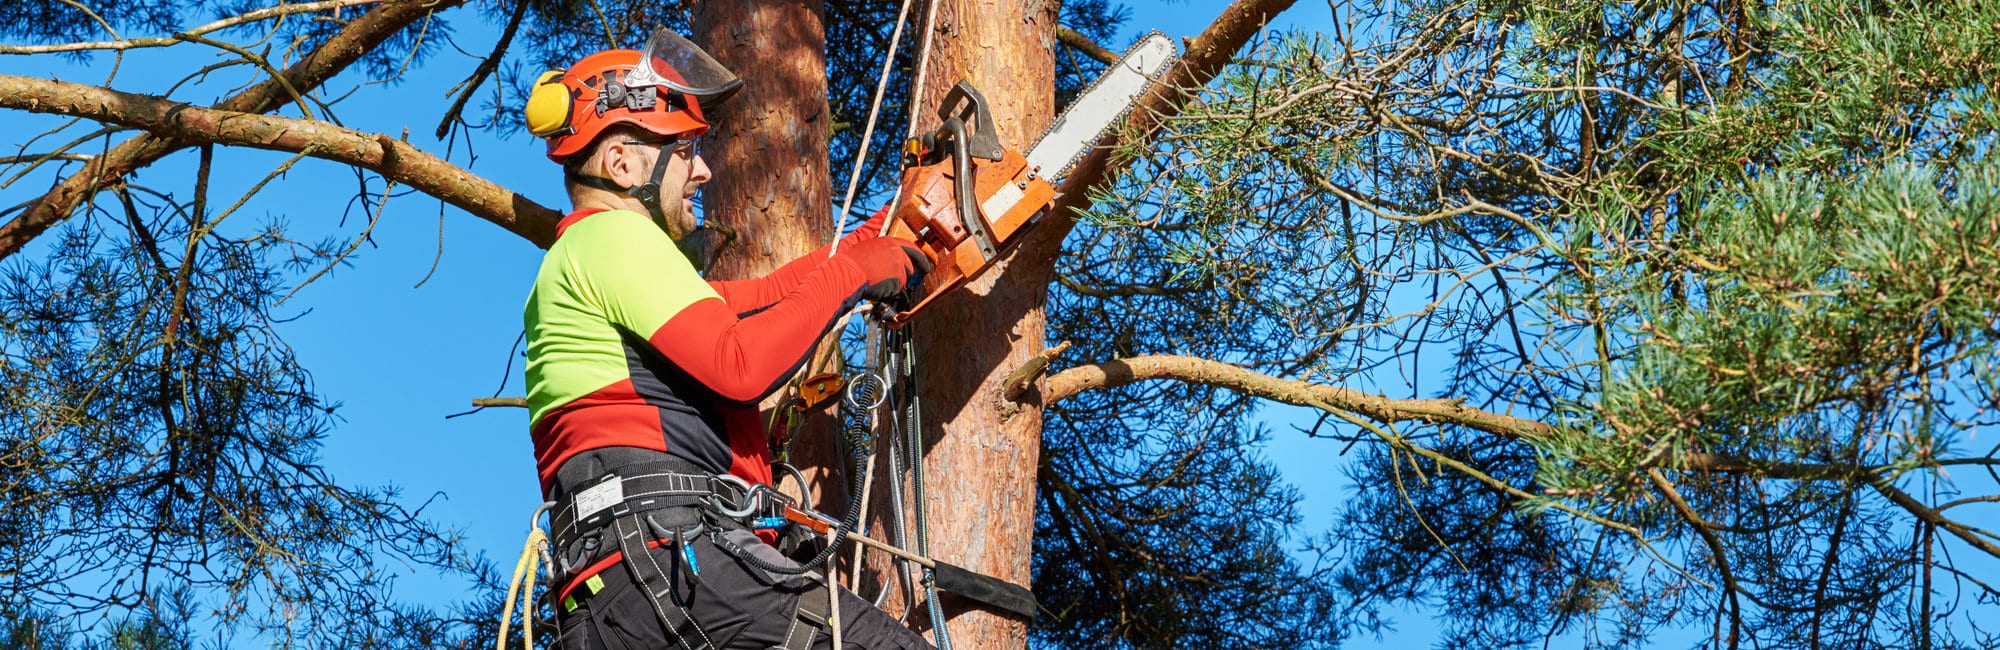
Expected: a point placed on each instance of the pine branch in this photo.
(359, 37)
(1386, 410)
(178, 123)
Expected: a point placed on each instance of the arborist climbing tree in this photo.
(643, 378)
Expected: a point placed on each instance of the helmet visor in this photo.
(680, 65)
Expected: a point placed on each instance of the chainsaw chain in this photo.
(1106, 74)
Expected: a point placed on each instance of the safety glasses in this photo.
(689, 147)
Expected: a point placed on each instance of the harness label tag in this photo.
(599, 497)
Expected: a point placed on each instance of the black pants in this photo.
(735, 604)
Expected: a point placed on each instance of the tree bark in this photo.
(768, 149)
(982, 452)
(768, 144)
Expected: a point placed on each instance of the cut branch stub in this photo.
(1021, 378)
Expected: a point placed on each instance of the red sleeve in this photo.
(743, 359)
(748, 296)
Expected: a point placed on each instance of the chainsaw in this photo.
(966, 200)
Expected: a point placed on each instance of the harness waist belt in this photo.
(639, 488)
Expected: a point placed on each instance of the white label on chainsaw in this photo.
(1001, 201)
(1109, 99)
(599, 497)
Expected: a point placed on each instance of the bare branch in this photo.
(343, 49)
(1083, 44)
(1967, 533)
(1112, 374)
(394, 159)
(485, 69)
(182, 36)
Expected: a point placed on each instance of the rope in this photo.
(523, 582)
(833, 594)
(868, 133)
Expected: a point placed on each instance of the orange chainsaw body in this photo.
(933, 213)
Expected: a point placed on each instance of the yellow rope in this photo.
(523, 584)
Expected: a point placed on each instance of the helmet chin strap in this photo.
(648, 194)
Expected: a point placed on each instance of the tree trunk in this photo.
(982, 452)
(768, 151)
(768, 145)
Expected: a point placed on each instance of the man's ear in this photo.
(625, 164)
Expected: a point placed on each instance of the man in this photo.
(643, 379)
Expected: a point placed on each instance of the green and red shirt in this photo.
(629, 347)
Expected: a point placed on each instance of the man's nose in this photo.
(701, 172)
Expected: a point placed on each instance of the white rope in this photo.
(923, 67)
(833, 591)
(868, 133)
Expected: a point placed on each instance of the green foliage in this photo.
(1826, 319)
(1742, 254)
(155, 430)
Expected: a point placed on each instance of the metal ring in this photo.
(751, 497)
(858, 380)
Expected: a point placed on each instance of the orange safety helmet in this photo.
(571, 108)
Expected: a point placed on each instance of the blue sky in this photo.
(400, 357)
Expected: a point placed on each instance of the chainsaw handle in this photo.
(983, 142)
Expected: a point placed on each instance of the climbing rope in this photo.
(894, 350)
(868, 132)
(533, 555)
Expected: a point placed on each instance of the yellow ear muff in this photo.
(549, 106)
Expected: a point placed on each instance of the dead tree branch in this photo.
(181, 123)
(336, 54)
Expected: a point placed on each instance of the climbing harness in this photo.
(615, 518)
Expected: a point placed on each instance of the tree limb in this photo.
(1120, 372)
(1112, 374)
(180, 37)
(181, 123)
(343, 49)
(1083, 44)
(1205, 57)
